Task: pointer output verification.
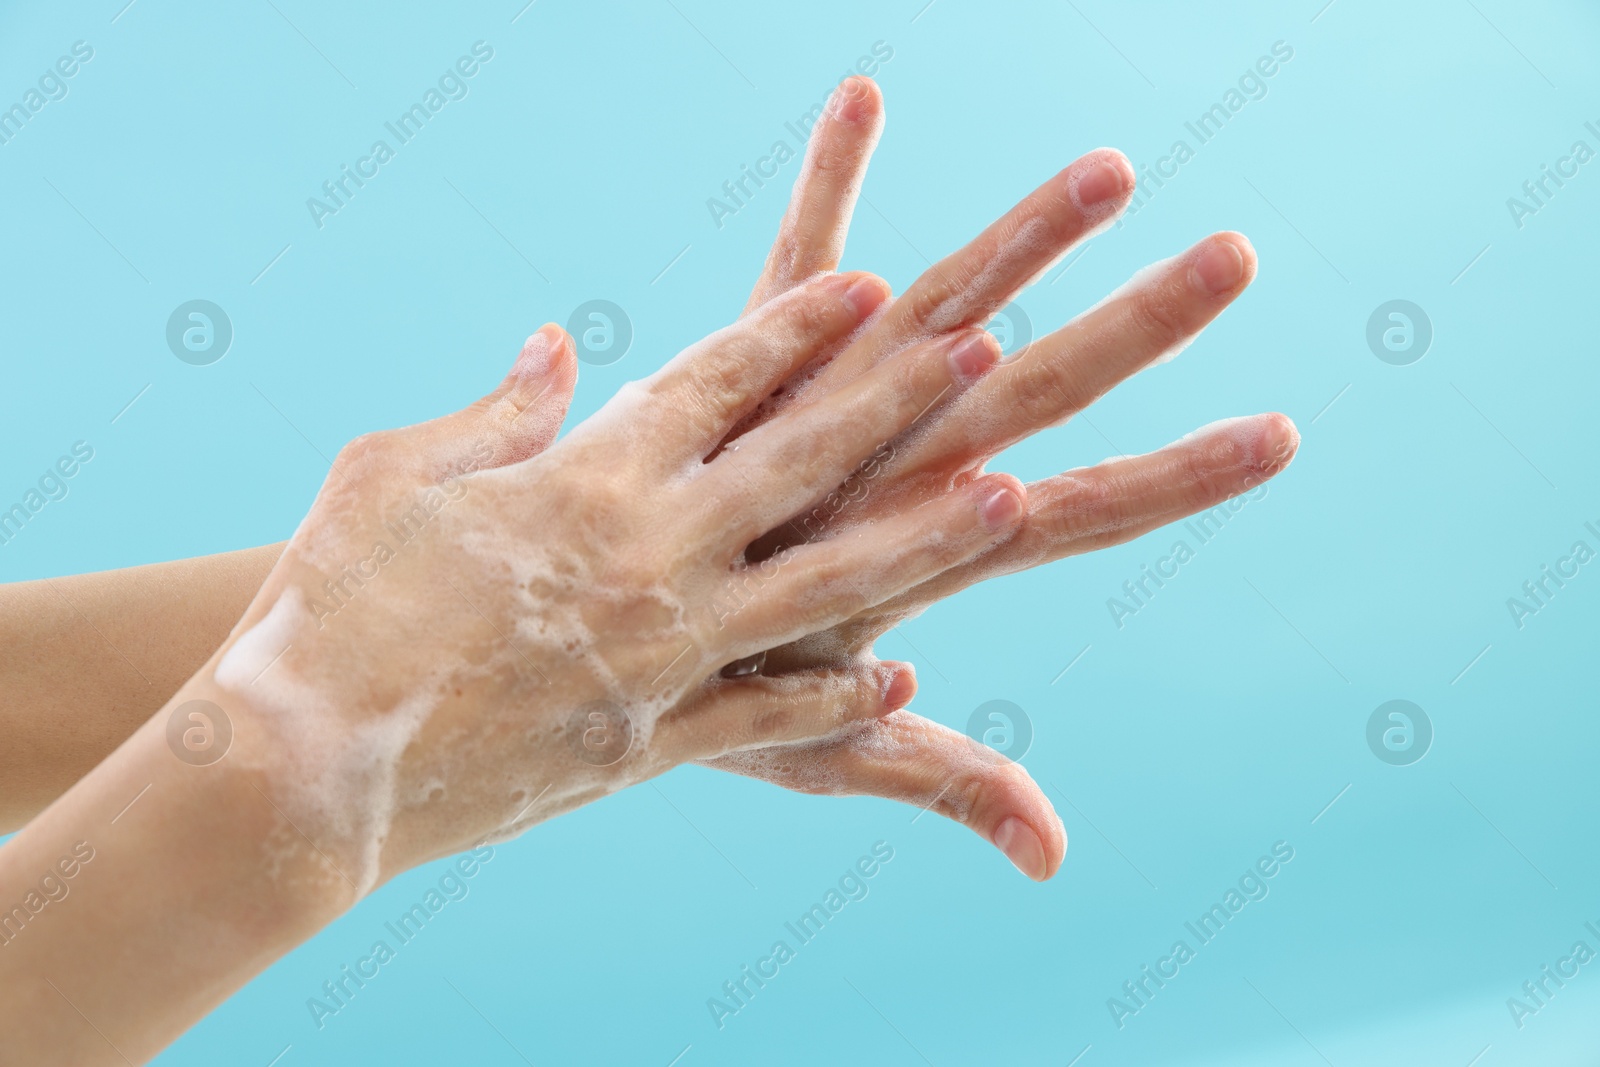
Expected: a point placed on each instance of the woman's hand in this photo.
(475, 629)
(903, 756)
(1076, 512)
(457, 612)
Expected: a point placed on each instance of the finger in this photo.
(904, 757)
(736, 714)
(816, 586)
(521, 418)
(1153, 317)
(818, 444)
(1118, 501)
(711, 385)
(966, 288)
(811, 237)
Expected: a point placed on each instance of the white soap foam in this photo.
(341, 769)
(1147, 277)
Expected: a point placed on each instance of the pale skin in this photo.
(462, 616)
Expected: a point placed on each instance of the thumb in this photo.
(523, 415)
(902, 756)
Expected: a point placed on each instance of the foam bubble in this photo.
(1148, 277)
(1101, 215)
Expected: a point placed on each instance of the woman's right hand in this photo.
(903, 756)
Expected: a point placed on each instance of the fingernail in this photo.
(1021, 846)
(902, 688)
(1219, 267)
(850, 100)
(1104, 181)
(534, 359)
(1002, 508)
(864, 295)
(1279, 441)
(973, 355)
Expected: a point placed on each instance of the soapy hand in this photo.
(468, 618)
(903, 756)
(476, 628)
(816, 713)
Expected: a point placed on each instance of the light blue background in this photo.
(1220, 719)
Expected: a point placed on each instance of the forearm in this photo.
(194, 883)
(86, 659)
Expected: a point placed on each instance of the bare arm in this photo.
(86, 659)
(165, 620)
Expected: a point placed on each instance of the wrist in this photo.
(220, 750)
(194, 876)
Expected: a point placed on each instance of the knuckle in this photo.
(933, 302)
(1043, 390)
(834, 584)
(1088, 504)
(785, 259)
(715, 391)
(811, 309)
(830, 162)
(906, 380)
(861, 693)
(1223, 452)
(1210, 476)
(809, 317)
(963, 797)
(1157, 316)
(367, 453)
(771, 722)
